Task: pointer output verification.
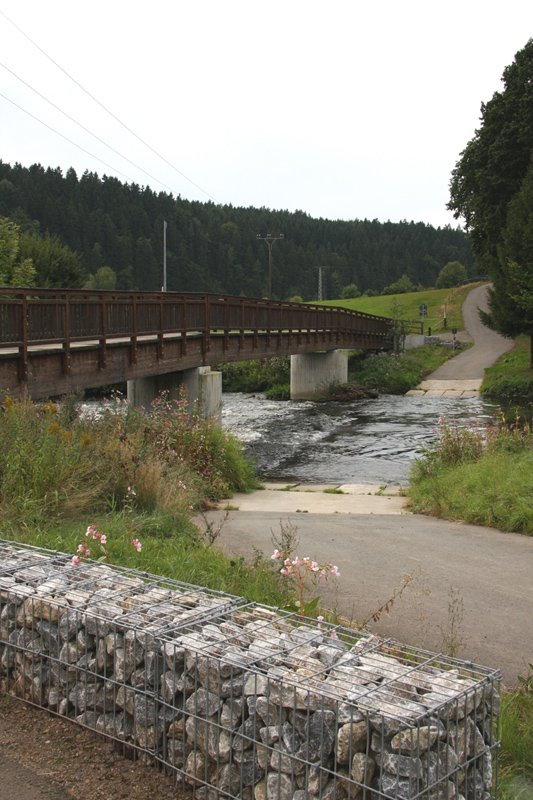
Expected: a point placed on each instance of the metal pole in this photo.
(320, 283)
(269, 239)
(164, 255)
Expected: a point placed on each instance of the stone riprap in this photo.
(241, 700)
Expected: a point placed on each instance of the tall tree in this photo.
(516, 259)
(489, 175)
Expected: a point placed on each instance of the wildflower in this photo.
(276, 555)
(76, 561)
(137, 545)
(334, 571)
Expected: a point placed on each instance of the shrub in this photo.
(256, 375)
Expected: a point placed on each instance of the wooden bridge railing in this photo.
(40, 316)
(162, 332)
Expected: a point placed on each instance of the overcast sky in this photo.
(343, 109)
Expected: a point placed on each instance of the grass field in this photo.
(438, 301)
(511, 378)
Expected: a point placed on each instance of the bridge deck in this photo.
(57, 342)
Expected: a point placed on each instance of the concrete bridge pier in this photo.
(313, 373)
(201, 386)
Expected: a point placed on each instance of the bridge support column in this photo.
(202, 388)
(313, 373)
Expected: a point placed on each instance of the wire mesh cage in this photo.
(241, 700)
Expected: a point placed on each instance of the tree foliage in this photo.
(516, 254)
(15, 270)
(401, 286)
(489, 175)
(213, 248)
(452, 274)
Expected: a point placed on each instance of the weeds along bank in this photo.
(483, 476)
(129, 475)
(386, 373)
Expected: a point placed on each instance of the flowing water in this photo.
(366, 441)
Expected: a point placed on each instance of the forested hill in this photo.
(214, 248)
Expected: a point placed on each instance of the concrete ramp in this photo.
(358, 498)
(447, 388)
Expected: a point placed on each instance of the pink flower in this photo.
(76, 561)
(137, 545)
(335, 571)
(276, 555)
(103, 538)
(314, 566)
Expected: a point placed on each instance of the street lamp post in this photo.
(269, 239)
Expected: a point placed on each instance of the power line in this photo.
(110, 166)
(79, 124)
(95, 100)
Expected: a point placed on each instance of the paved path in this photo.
(463, 375)
(478, 579)
(472, 593)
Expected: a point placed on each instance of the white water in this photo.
(363, 441)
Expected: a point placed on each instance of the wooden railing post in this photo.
(160, 336)
(66, 335)
(207, 328)
(23, 357)
(133, 334)
(102, 359)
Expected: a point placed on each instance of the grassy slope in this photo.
(409, 304)
(495, 491)
(511, 377)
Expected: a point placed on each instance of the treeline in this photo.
(214, 248)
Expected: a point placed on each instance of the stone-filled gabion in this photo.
(242, 700)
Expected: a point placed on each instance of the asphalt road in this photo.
(488, 345)
(471, 593)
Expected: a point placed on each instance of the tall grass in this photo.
(511, 378)
(481, 476)
(56, 464)
(516, 758)
(130, 475)
(396, 374)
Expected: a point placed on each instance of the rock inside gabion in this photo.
(239, 699)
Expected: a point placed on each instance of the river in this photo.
(366, 441)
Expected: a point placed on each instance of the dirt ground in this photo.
(47, 758)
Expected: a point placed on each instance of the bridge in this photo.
(55, 342)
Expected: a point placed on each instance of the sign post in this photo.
(423, 311)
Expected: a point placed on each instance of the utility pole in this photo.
(320, 292)
(269, 239)
(164, 255)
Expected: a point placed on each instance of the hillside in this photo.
(212, 248)
(439, 302)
